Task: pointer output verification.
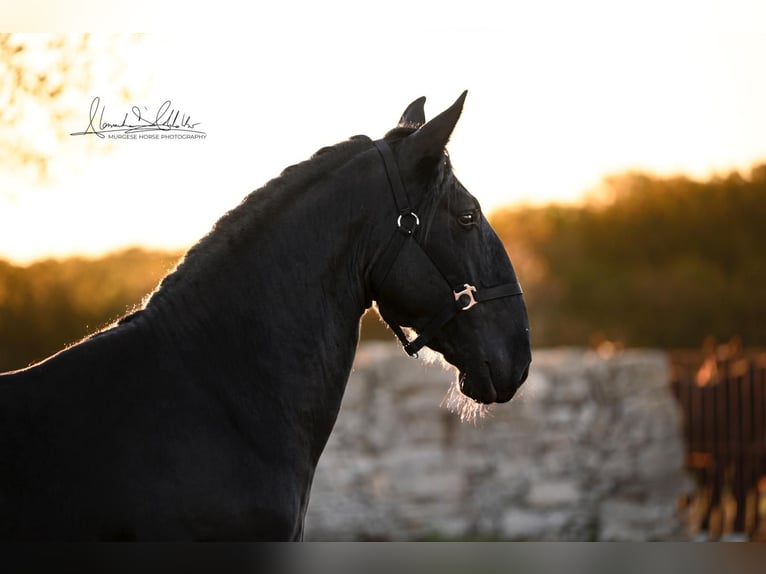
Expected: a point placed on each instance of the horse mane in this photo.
(260, 205)
(258, 209)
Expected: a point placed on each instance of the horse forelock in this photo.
(399, 133)
(442, 188)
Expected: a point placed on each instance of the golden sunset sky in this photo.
(561, 94)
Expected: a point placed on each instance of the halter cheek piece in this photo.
(465, 297)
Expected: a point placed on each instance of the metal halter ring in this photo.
(405, 229)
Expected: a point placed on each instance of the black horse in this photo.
(203, 415)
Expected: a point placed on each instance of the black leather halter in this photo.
(465, 297)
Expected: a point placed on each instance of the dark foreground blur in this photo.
(375, 558)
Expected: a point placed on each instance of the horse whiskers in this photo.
(465, 407)
(431, 357)
(454, 400)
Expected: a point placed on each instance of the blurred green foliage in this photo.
(50, 304)
(649, 261)
(662, 262)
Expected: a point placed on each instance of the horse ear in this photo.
(414, 116)
(425, 147)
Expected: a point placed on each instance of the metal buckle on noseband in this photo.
(467, 292)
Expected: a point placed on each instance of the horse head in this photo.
(443, 273)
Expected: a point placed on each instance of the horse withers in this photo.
(203, 414)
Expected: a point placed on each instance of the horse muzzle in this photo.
(493, 384)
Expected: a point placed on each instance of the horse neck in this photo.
(273, 303)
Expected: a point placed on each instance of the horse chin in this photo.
(478, 386)
(496, 385)
(464, 405)
(473, 390)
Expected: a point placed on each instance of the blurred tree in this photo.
(50, 304)
(47, 82)
(654, 261)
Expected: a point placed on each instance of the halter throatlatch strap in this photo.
(407, 223)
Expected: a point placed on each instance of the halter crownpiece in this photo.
(407, 222)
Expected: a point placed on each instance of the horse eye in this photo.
(467, 218)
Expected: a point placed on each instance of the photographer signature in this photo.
(138, 120)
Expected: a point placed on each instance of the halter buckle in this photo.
(469, 291)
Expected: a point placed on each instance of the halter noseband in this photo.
(466, 296)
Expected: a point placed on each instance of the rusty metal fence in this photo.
(722, 392)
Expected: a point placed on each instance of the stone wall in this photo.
(589, 449)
